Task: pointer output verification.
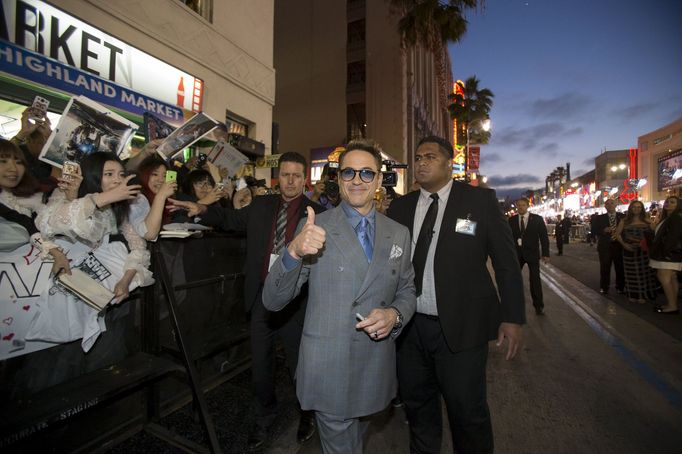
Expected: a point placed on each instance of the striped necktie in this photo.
(280, 228)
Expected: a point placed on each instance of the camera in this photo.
(390, 175)
(331, 189)
(201, 161)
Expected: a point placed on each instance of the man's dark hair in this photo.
(292, 156)
(196, 176)
(443, 145)
(367, 145)
(523, 199)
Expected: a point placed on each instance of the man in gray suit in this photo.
(357, 264)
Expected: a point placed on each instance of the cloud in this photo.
(566, 106)
(588, 162)
(635, 111)
(550, 149)
(534, 137)
(575, 173)
(495, 181)
(490, 158)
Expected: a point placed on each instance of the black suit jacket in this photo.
(257, 220)
(468, 306)
(534, 237)
(598, 224)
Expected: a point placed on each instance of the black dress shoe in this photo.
(620, 291)
(397, 402)
(660, 310)
(539, 311)
(306, 426)
(257, 438)
(603, 291)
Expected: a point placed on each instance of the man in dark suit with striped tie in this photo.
(270, 223)
(530, 234)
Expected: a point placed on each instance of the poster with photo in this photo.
(155, 128)
(193, 130)
(84, 128)
(225, 156)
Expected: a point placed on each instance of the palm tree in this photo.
(470, 108)
(432, 23)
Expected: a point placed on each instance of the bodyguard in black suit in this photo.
(610, 251)
(530, 234)
(270, 222)
(443, 350)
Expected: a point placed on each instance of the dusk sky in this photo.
(570, 78)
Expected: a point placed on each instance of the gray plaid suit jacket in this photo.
(341, 370)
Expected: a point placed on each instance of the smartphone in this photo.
(241, 184)
(70, 168)
(39, 108)
(171, 176)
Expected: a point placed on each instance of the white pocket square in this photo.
(396, 252)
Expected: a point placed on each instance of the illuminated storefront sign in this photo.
(50, 32)
(37, 68)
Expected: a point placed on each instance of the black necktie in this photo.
(523, 225)
(421, 250)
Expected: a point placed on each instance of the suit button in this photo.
(393, 272)
(383, 303)
(355, 304)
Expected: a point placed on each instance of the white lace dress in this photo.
(83, 230)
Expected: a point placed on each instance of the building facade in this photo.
(160, 56)
(660, 161)
(342, 74)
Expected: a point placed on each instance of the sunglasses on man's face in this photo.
(366, 175)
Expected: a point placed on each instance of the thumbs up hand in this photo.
(309, 240)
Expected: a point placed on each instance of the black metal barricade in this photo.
(187, 329)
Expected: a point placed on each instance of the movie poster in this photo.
(193, 130)
(84, 128)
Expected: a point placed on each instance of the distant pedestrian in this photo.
(561, 233)
(530, 234)
(610, 251)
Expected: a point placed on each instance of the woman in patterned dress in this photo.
(634, 233)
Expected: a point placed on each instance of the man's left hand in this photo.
(514, 335)
(379, 323)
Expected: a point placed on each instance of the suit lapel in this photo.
(344, 236)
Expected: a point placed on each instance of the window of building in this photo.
(356, 34)
(356, 121)
(204, 8)
(236, 124)
(355, 76)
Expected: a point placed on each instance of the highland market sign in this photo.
(44, 30)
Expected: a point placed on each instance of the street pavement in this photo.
(596, 374)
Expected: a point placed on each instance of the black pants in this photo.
(265, 327)
(560, 244)
(611, 255)
(427, 369)
(535, 282)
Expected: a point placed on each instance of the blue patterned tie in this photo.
(362, 231)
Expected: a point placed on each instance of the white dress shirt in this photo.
(426, 302)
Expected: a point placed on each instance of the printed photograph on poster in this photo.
(194, 129)
(155, 128)
(86, 127)
(225, 156)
